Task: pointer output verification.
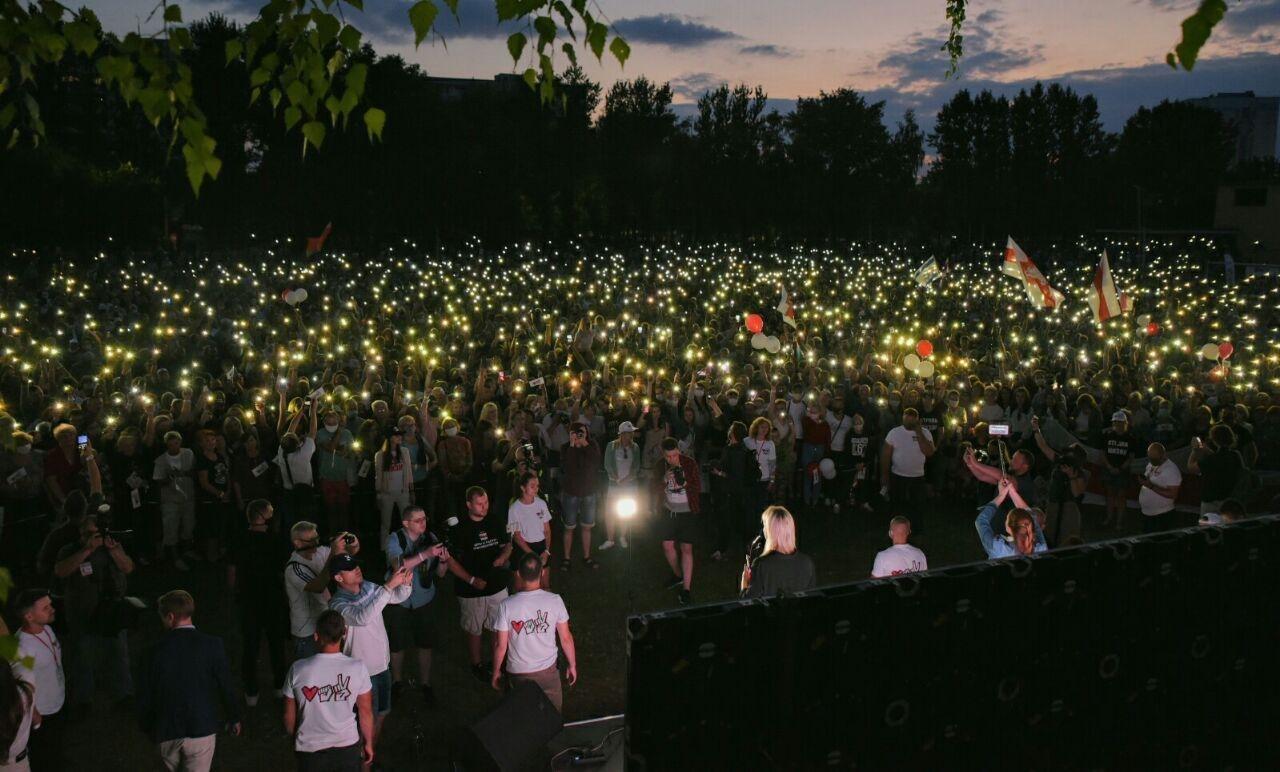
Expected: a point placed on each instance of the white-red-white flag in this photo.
(1103, 298)
(787, 309)
(1037, 286)
(1013, 255)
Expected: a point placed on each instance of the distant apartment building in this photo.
(1255, 120)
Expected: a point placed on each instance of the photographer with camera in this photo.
(412, 622)
(1067, 484)
(779, 567)
(678, 486)
(93, 572)
(580, 467)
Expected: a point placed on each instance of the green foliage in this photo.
(1196, 29)
(955, 40)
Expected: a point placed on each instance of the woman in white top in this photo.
(17, 706)
(761, 445)
(393, 481)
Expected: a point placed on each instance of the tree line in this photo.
(501, 163)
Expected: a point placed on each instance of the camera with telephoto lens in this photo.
(677, 474)
(105, 521)
(530, 458)
(444, 537)
(348, 539)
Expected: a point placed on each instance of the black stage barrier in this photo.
(1155, 652)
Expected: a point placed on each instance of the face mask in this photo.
(733, 402)
(331, 425)
(452, 431)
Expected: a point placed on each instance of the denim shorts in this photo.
(578, 509)
(381, 692)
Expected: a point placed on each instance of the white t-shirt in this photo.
(840, 428)
(530, 618)
(325, 687)
(623, 459)
(1165, 475)
(907, 460)
(176, 470)
(527, 519)
(47, 673)
(766, 456)
(299, 464)
(898, 559)
(305, 607)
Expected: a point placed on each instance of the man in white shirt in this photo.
(306, 581)
(901, 558)
(177, 499)
(525, 631)
(902, 460)
(361, 604)
(328, 704)
(294, 461)
(1160, 483)
(36, 640)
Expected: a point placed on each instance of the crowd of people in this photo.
(410, 424)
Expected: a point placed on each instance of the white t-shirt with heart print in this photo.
(530, 619)
(325, 687)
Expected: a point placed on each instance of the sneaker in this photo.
(673, 582)
(686, 597)
(483, 672)
(251, 700)
(607, 545)
(624, 543)
(180, 564)
(429, 696)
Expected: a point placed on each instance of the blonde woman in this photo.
(780, 568)
(393, 480)
(761, 477)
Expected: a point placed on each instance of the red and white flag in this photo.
(1013, 255)
(787, 309)
(1105, 301)
(1038, 290)
(316, 244)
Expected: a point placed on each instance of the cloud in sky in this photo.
(692, 85)
(668, 29)
(767, 49)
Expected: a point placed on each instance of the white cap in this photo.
(626, 426)
(1120, 415)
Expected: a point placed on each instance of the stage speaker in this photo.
(514, 735)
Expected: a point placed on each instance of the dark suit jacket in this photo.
(182, 680)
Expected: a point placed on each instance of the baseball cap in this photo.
(626, 426)
(342, 563)
(1119, 415)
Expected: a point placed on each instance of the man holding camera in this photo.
(93, 572)
(361, 604)
(306, 581)
(678, 485)
(412, 622)
(479, 574)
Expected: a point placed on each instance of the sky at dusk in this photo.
(888, 49)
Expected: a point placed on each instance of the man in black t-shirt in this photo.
(254, 576)
(1119, 446)
(482, 550)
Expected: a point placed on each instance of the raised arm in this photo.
(1041, 442)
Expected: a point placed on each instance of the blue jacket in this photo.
(994, 542)
(181, 682)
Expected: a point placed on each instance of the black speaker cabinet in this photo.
(513, 735)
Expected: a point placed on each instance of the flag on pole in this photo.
(1038, 290)
(928, 273)
(787, 309)
(1013, 255)
(316, 244)
(1103, 298)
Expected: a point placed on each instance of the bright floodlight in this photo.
(626, 508)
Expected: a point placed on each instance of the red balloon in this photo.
(924, 348)
(1225, 349)
(755, 323)
(285, 295)
(1153, 328)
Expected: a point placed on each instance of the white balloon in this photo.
(759, 340)
(773, 345)
(1144, 320)
(291, 297)
(1209, 351)
(925, 370)
(828, 468)
(911, 362)
(302, 295)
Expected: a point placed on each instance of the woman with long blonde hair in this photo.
(780, 567)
